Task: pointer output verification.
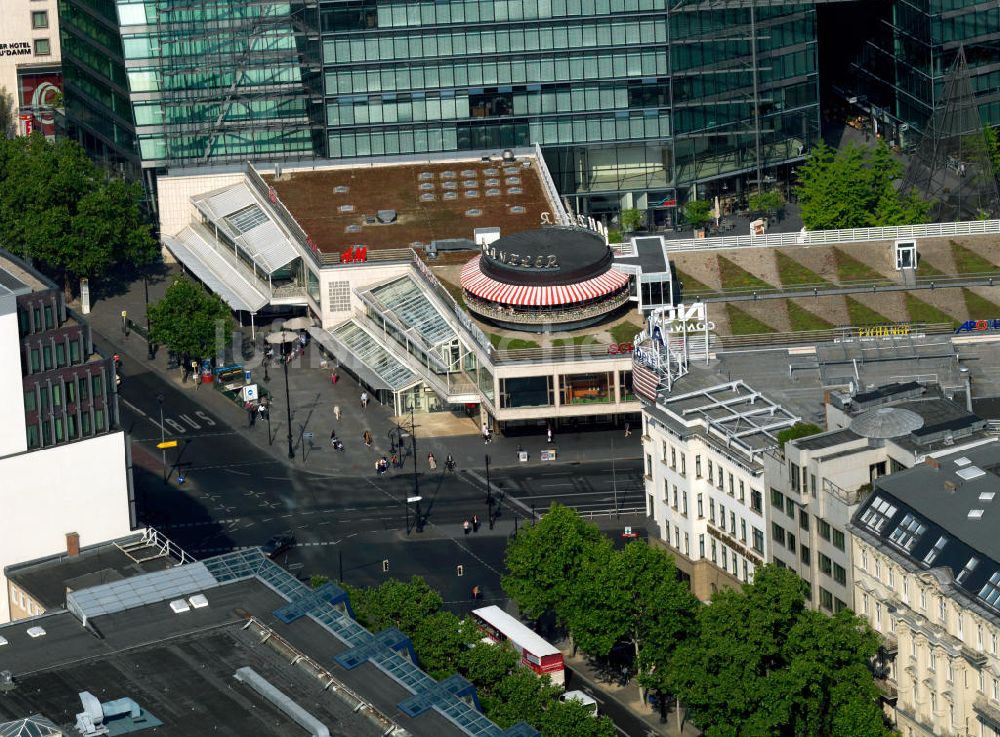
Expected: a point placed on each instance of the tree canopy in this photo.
(698, 213)
(762, 665)
(445, 644)
(58, 209)
(190, 320)
(855, 187)
(631, 219)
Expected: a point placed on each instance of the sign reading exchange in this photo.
(978, 326)
(15, 48)
(516, 259)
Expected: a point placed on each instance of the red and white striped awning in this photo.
(479, 285)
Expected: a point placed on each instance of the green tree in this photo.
(520, 695)
(992, 147)
(58, 209)
(188, 319)
(440, 639)
(769, 202)
(486, 664)
(572, 719)
(855, 187)
(544, 561)
(763, 665)
(698, 213)
(631, 219)
(633, 596)
(8, 115)
(400, 604)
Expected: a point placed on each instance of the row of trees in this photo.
(855, 187)
(446, 644)
(757, 662)
(64, 213)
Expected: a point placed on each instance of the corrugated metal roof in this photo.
(219, 275)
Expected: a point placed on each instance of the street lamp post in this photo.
(285, 338)
(418, 523)
(489, 494)
(163, 439)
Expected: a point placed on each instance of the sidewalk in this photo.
(628, 696)
(313, 397)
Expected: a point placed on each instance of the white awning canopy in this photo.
(218, 274)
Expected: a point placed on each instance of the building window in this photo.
(951, 671)
(527, 391)
(791, 542)
(879, 512)
(732, 487)
(684, 503)
(701, 546)
(970, 566)
(756, 501)
(804, 520)
(907, 532)
(697, 466)
(838, 606)
(683, 465)
(29, 400)
(42, 47)
(758, 540)
(839, 574)
(587, 388)
(825, 599)
(701, 506)
(742, 497)
(743, 536)
(805, 555)
(932, 660)
(710, 476)
(777, 533)
(777, 499)
(673, 457)
(793, 476)
(675, 495)
(923, 600)
(663, 451)
(711, 510)
(824, 528)
(39, 19)
(906, 590)
(790, 508)
(838, 540)
(825, 564)
(942, 611)
(687, 545)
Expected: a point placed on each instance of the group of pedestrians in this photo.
(473, 525)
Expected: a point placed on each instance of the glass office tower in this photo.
(912, 45)
(629, 100)
(190, 82)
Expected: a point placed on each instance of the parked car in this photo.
(588, 702)
(278, 544)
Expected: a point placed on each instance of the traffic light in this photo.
(385, 566)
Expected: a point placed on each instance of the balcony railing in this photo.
(850, 498)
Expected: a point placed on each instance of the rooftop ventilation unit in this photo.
(508, 155)
(198, 601)
(34, 632)
(976, 513)
(987, 496)
(179, 606)
(3, 641)
(962, 462)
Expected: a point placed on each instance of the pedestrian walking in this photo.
(334, 377)
(467, 526)
(336, 412)
(486, 434)
(627, 431)
(367, 437)
(252, 412)
(475, 523)
(432, 462)
(394, 461)
(449, 463)
(550, 433)
(364, 400)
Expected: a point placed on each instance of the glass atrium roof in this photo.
(372, 354)
(412, 309)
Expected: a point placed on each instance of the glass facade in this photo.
(197, 82)
(912, 47)
(624, 96)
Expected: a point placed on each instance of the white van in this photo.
(589, 702)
